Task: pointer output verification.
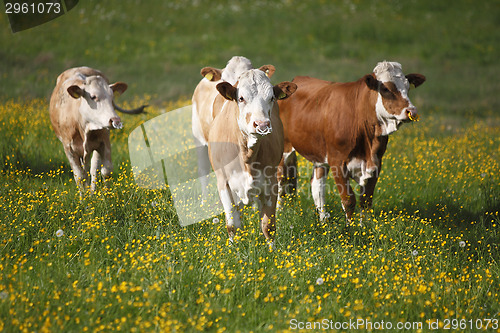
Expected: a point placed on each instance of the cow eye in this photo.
(93, 97)
(241, 99)
(385, 92)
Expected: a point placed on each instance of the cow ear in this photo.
(75, 91)
(211, 74)
(284, 89)
(415, 79)
(371, 82)
(268, 69)
(227, 90)
(118, 88)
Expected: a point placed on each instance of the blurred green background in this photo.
(158, 46)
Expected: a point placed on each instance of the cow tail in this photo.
(133, 111)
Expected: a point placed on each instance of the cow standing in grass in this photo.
(245, 145)
(82, 113)
(205, 109)
(344, 127)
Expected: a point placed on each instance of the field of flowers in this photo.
(428, 254)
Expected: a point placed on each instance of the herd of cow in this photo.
(249, 131)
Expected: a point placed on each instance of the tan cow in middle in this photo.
(205, 109)
(245, 145)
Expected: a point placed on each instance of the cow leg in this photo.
(318, 183)
(233, 222)
(268, 212)
(87, 163)
(78, 172)
(367, 190)
(94, 165)
(346, 192)
(287, 174)
(102, 159)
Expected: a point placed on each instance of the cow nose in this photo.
(116, 122)
(262, 127)
(411, 112)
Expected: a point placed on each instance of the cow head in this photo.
(96, 105)
(256, 98)
(393, 106)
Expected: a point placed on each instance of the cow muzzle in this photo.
(115, 122)
(411, 113)
(262, 127)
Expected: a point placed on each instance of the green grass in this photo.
(428, 251)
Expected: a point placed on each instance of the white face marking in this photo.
(255, 101)
(97, 104)
(391, 72)
(388, 122)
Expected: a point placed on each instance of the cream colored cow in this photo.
(82, 113)
(245, 144)
(204, 108)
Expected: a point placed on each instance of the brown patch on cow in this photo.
(393, 102)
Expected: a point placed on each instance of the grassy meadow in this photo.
(428, 254)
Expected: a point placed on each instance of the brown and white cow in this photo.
(344, 127)
(204, 108)
(245, 146)
(81, 113)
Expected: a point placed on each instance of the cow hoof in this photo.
(323, 216)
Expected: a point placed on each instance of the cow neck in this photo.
(370, 137)
(387, 126)
(375, 126)
(249, 154)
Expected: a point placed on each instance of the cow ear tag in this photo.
(267, 72)
(209, 76)
(412, 86)
(282, 95)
